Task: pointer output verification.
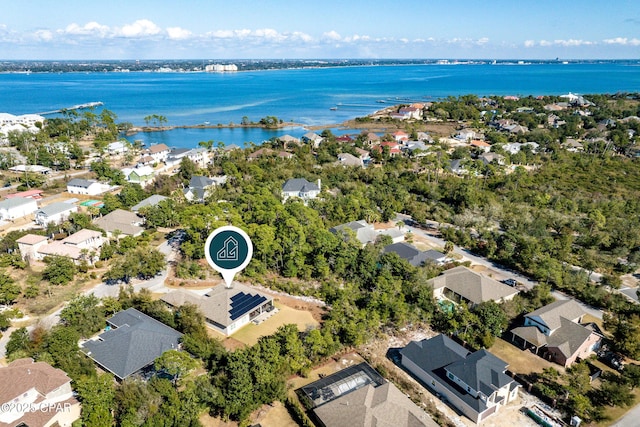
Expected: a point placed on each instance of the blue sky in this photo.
(187, 29)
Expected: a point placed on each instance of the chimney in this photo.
(319, 184)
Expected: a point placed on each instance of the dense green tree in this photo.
(9, 290)
(85, 314)
(59, 270)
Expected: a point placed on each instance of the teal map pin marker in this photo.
(228, 250)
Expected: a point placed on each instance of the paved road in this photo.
(502, 271)
(155, 284)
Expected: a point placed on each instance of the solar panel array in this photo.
(242, 303)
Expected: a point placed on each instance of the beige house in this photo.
(226, 310)
(556, 333)
(461, 284)
(40, 386)
(127, 223)
(83, 245)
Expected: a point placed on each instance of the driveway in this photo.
(501, 270)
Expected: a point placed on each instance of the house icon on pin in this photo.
(229, 251)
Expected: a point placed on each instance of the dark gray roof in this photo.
(434, 255)
(434, 353)
(135, 342)
(481, 370)
(353, 225)
(200, 182)
(299, 185)
(407, 252)
(82, 183)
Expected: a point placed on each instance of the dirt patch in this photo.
(522, 362)
(273, 415)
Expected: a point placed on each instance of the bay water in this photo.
(316, 96)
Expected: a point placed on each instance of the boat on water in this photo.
(333, 108)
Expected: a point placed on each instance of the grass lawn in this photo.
(251, 333)
(613, 414)
(521, 362)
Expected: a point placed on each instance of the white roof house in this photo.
(86, 186)
(300, 188)
(17, 207)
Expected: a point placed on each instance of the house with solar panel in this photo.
(225, 309)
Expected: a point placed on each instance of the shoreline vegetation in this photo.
(199, 65)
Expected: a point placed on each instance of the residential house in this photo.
(344, 139)
(474, 383)
(300, 188)
(17, 207)
(411, 112)
(572, 145)
(515, 128)
(556, 333)
(29, 244)
(42, 170)
(459, 166)
(28, 384)
(461, 284)
(83, 245)
(54, 213)
(372, 138)
(480, 145)
(407, 252)
(143, 175)
(34, 194)
(145, 160)
(118, 147)
(285, 155)
(312, 138)
(400, 137)
(288, 140)
(359, 396)
(417, 148)
(158, 152)
(436, 257)
(347, 159)
(152, 200)
(131, 342)
(425, 137)
(467, 135)
(127, 223)
(361, 230)
(86, 186)
(392, 147)
(259, 153)
(225, 309)
(200, 187)
(364, 155)
(488, 158)
(199, 156)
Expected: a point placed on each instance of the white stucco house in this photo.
(17, 207)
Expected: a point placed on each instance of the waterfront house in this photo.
(158, 152)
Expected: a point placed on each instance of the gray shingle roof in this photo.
(15, 202)
(135, 342)
(481, 370)
(55, 208)
(383, 406)
(551, 314)
(472, 286)
(299, 185)
(82, 183)
(149, 201)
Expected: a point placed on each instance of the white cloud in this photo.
(44, 35)
(529, 43)
(177, 33)
(483, 40)
(623, 41)
(140, 28)
(563, 43)
(332, 35)
(90, 28)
